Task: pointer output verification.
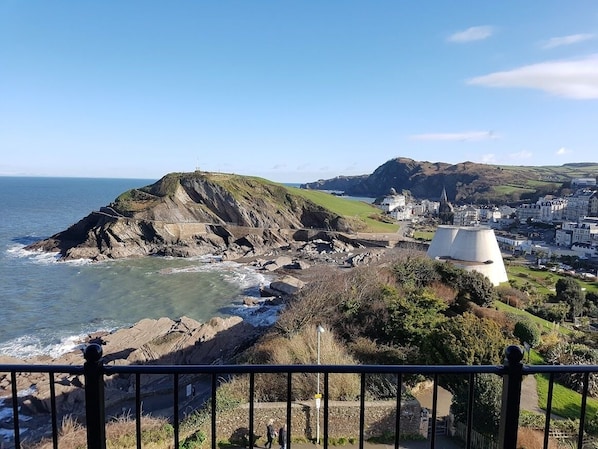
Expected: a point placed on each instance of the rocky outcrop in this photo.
(193, 214)
(162, 341)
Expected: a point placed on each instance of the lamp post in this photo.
(319, 331)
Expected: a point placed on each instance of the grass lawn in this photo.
(348, 208)
(545, 326)
(565, 402)
(423, 235)
(543, 281)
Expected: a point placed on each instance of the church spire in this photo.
(443, 197)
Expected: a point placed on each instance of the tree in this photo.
(568, 290)
(527, 332)
(471, 285)
(415, 271)
(465, 340)
(486, 403)
(478, 288)
(412, 316)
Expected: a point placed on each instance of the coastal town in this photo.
(547, 230)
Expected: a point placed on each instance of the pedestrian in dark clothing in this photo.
(282, 437)
(270, 434)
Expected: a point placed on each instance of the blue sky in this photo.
(293, 91)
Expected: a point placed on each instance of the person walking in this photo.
(282, 437)
(270, 434)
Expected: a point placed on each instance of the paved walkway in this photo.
(529, 395)
(442, 442)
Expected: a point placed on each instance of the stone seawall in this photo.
(343, 420)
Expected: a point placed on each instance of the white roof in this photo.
(471, 248)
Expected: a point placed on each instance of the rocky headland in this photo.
(195, 214)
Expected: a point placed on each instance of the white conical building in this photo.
(470, 248)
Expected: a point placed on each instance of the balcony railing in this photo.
(95, 372)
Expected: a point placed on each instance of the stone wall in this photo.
(343, 420)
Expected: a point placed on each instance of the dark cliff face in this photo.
(192, 214)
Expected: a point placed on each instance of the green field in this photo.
(348, 208)
(566, 403)
(543, 281)
(423, 235)
(545, 326)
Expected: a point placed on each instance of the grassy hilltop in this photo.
(255, 194)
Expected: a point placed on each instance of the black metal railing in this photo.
(95, 372)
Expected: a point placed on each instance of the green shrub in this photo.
(194, 441)
(527, 332)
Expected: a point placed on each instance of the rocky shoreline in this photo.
(175, 341)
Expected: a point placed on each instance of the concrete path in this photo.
(442, 442)
(529, 395)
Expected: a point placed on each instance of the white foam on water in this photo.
(258, 315)
(247, 277)
(30, 346)
(42, 257)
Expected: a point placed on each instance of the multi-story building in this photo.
(593, 205)
(391, 202)
(489, 214)
(552, 210)
(466, 216)
(580, 183)
(512, 242)
(571, 233)
(578, 204)
(402, 213)
(585, 250)
(529, 211)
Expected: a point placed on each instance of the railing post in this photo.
(94, 397)
(511, 397)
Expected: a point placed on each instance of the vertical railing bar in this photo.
(511, 397)
(548, 410)
(15, 408)
(398, 410)
(251, 396)
(53, 412)
(95, 404)
(213, 407)
(434, 411)
(176, 410)
(361, 409)
(582, 414)
(470, 399)
(326, 393)
(289, 411)
(138, 409)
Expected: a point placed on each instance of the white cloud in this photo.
(575, 78)
(562, 151)
(472, 34)
(463, 136)
(523, 154)
(489, 158)
(567, 40)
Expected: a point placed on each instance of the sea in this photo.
(47, 306)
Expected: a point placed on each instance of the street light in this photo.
(319, 331)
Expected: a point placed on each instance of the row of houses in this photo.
(583, 203)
